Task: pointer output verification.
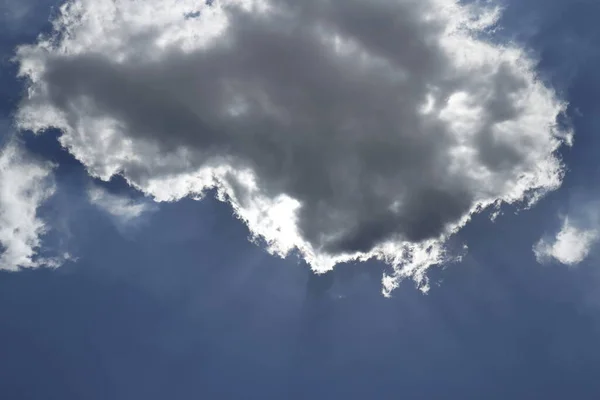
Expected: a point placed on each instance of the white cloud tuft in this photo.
(343, 130)
(123, 208)
(571, 245)
(24, 186)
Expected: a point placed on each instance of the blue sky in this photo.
(176, 302)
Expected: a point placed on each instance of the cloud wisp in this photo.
(124, 209)
(340, 130)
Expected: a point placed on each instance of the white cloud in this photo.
(123, 208)
(24, 186)
(343, 130)
(571, 245)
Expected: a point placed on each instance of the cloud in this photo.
(25, 185)
(570, 246)
(125, 209)
(337, 130)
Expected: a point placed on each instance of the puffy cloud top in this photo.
(340, 129)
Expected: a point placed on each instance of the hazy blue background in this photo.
(182, 306)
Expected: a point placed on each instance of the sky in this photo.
(264, 199)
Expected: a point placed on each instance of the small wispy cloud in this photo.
(124, 209)
(571, 245)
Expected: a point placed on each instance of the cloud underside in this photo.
(24, 186)
(571, 245)
(339, 130)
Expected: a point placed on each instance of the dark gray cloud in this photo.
(344, 129)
